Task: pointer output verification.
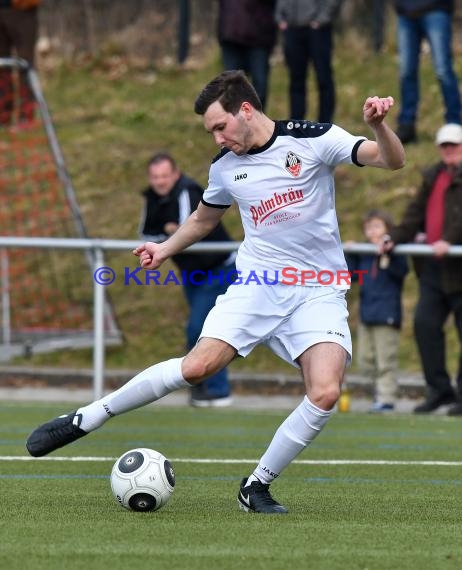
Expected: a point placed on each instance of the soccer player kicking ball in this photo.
(280, 173)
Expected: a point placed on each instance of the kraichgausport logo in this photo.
(276, 202)
(285, 276)
(293, 164)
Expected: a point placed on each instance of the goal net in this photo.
(46, 294)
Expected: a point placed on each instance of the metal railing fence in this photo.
(98, 246)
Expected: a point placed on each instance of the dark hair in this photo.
(380, 215)
(231, 89)
(161, 156)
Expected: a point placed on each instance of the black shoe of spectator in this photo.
(406, 133)
(200, 398)
(455, 410)
(432, 403)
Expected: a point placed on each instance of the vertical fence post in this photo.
(98, 326)
(5, 285)
(183, 30)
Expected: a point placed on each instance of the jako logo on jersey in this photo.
(240, 177)
(277, 202)
(293, 164)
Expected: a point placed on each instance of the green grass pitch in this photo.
(370, 493)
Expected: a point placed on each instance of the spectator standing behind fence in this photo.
(381, 285)
(435, 216)
(247, 34)
(169, 200)
(430, 20)
(307, 27)
(18, 36)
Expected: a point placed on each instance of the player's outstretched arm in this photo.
(387, 150)
(199, 224)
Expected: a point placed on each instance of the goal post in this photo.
(46, 297)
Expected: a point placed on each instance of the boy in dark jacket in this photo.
(380, 311)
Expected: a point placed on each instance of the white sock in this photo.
(147, 386)
(292, 436)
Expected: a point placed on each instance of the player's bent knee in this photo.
(197, 368)
(325, 398)
(208, 357)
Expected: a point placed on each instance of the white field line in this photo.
(243, 461)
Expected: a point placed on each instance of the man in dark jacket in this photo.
(169, 200)
(247, 34)
(430, 20)
(435, 215)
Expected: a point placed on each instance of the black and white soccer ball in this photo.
(142, 480)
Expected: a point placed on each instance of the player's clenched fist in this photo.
(148, 253)
(376, 108)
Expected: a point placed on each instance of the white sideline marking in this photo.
(242, 461)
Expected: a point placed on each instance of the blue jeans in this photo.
(254, 61)
(436, 27)
(201, 298)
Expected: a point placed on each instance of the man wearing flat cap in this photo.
(434, 217)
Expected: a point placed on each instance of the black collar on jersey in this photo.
(268, 143)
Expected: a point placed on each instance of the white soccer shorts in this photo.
(287, 318)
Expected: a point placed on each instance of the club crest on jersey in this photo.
(293, 164)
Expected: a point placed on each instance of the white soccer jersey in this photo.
(286, 196)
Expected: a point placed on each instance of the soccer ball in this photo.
(142, 480)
